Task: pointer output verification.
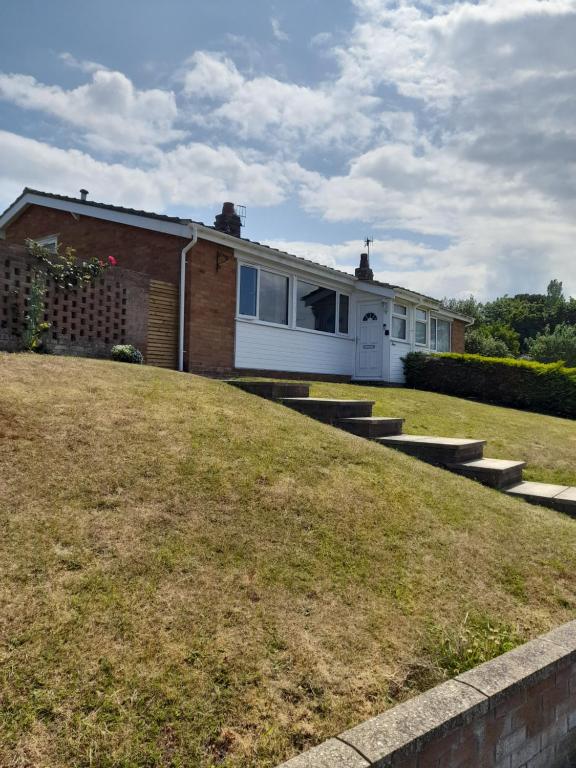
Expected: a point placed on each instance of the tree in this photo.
(478, 342)
(556, 345)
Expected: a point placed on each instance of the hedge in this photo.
(543, 387)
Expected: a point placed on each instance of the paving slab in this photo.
(331, 754)
(537, 490)
(442, 451)
(372, 427)
(496, 473)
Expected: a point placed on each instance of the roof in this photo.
(184, 222)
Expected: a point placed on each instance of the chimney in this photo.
(363, 272)
(83, 194)
(228, 221)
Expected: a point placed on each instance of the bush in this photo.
(549, 347)
(126, 353)
(546, 388)
(477, 342)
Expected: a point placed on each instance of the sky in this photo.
(445, 130)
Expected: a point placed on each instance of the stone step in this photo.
(559, 497)
(497, 473)
(372, 427)
(329, 411)
(437, 450)
(272, 390)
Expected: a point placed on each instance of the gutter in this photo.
(194, 232)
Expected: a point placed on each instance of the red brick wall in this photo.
(211, 309)
(458, 327)
(141, 250)
(210, 291)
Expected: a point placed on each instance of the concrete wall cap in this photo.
(406, 727)
(330, 754)
(518, 668)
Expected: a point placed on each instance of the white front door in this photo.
(369, 340)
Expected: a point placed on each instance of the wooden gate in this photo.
(162, 347)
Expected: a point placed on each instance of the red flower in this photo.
(112, 261)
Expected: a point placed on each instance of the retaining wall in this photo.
(516, 711)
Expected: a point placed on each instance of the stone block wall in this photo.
(84, 321)
(516, 711)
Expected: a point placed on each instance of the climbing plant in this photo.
(66, 273)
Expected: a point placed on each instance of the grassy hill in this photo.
(191, 576)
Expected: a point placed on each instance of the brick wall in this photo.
(84, 321)
(210, 282)
(211, 309)
(517, 711)
(458, 327)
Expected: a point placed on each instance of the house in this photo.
(204, 299)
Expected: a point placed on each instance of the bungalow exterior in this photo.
(239, 306)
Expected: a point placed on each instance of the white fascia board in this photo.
(373, 290)
(92, 211)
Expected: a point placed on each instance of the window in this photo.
(344, 310)
(315, 307)
(273, 306)
(399, 313)
(421, 327)
(50, 243)
(440, 335)
(248, 291)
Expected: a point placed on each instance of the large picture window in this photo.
(315, 307)
(273, 307)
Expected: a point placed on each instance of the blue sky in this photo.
(445, 130)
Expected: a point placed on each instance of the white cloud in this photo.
(277, 30)
(81, 64)
(112, 114)
(212, 76)
(190, 175)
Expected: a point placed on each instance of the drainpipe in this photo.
(194, 232)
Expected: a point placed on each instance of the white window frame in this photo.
(256, 318)
(424, 323)
(442, 320)
(313, 281)
(400, 316)
(46, 242)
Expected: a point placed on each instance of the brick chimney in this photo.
(363, 272)
(228, 221)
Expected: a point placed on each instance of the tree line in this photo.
(538, 326)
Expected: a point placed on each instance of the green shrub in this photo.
(546, 388)
(126, 353)
(551, 346)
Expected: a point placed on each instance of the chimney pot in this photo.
(228, 221)
(83, 194)
(363, 272)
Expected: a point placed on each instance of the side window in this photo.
(344, 313)
(399, 329)
(248, 291)
(421, 327)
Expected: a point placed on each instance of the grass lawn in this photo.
(192, 576)
(546, 443)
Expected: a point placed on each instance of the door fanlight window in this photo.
(369, 316)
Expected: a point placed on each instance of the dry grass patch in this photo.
(190, 575)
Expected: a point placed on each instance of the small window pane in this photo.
(273, 298)
(398, 328)
(316, 307)
(422, 315)
(443, 336)
(399, 309)
(344, 309)
(433, 333)
(421, 333)
(248, 285)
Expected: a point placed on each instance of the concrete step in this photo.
(329, 411)
(437, 450)
(559, 497)
(372, 427)
(497, 473)
(272, 390)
